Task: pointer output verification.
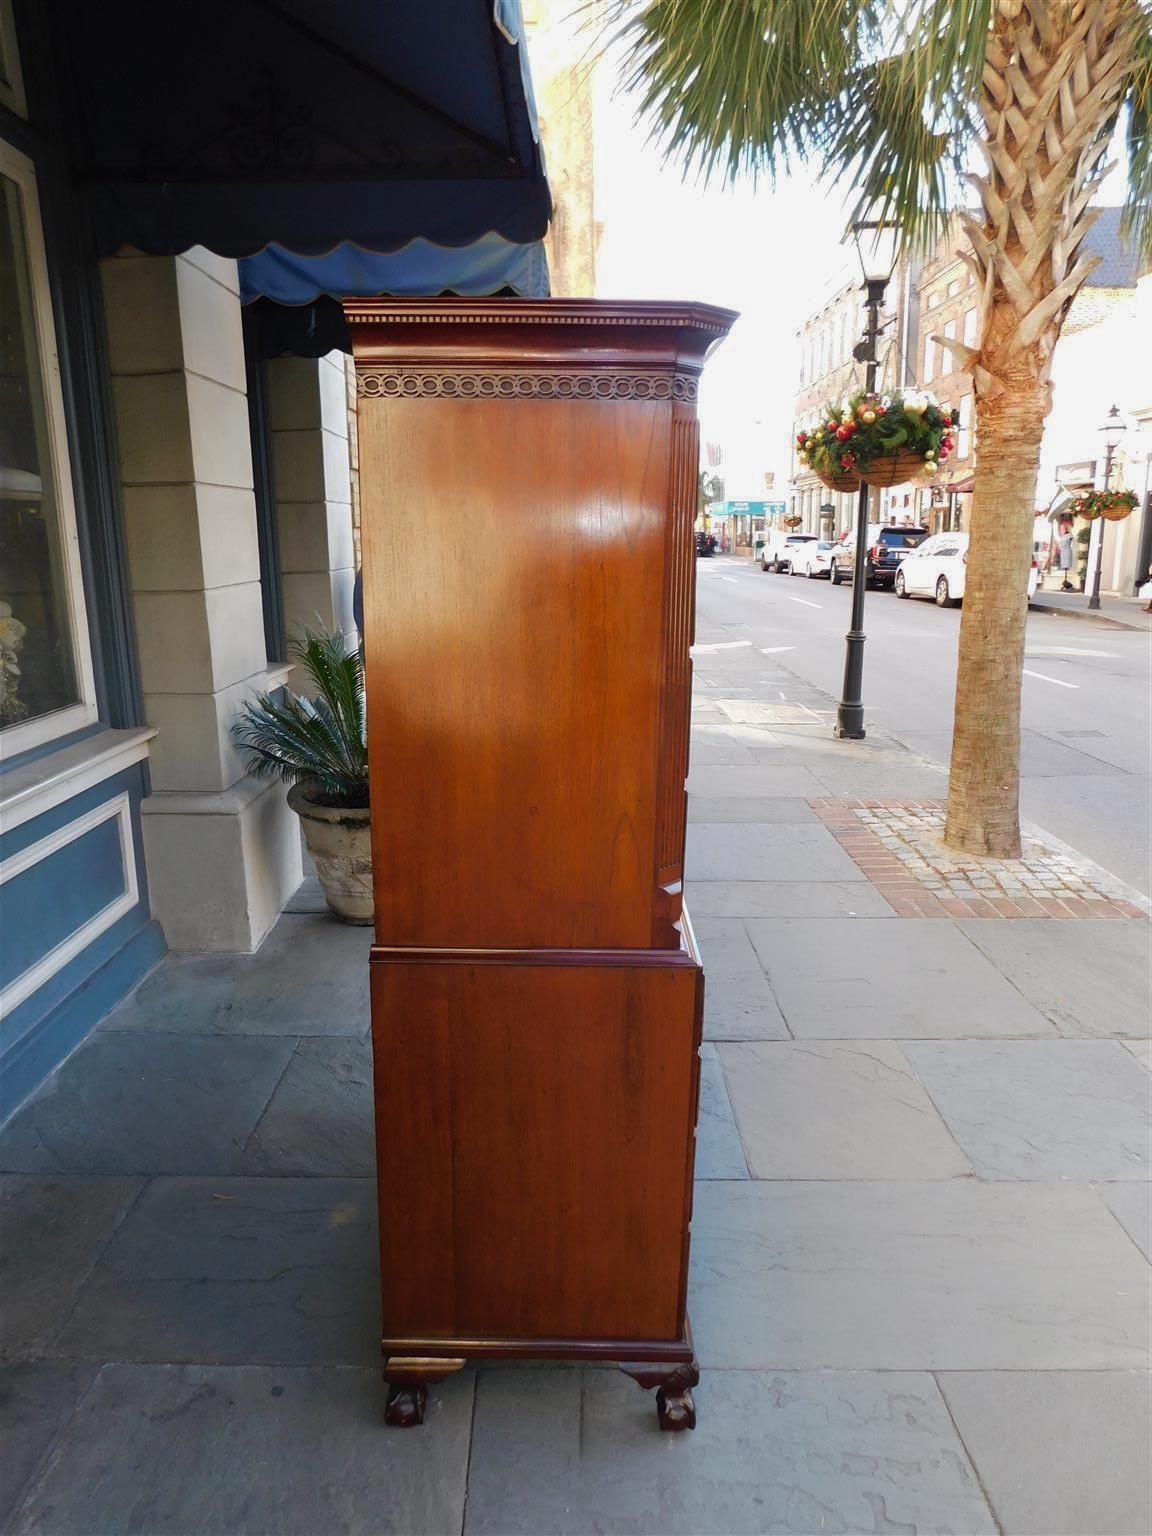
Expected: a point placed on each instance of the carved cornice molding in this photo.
(420, 383)
(645, 314)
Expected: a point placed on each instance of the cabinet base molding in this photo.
(669, 1367)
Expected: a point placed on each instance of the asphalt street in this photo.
(1086, 745)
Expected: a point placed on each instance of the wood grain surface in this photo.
(535, 1129)
(513, 654)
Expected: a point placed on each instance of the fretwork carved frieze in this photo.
(517, 384)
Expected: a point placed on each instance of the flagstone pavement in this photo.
(920, 1283)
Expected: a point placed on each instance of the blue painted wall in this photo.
(49, 901)
(54, 897)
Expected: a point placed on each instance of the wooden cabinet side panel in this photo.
(412, 1089)
(560, 1207)
(676, 678)
(513, 559)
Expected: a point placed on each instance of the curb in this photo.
(1089, 616)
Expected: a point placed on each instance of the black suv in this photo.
(887, 546)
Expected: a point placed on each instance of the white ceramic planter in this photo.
(341, 848)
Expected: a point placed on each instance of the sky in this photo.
(770, 254)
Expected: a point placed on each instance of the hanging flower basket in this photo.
(1114, 505)
(793, 522)
(846, 480)
(893, 468)
(1117, 511)
(881, 440)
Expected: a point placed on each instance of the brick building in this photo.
(944, 307)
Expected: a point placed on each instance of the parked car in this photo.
(887, 546)
(812, 559)
(777, 552)
(936, 569)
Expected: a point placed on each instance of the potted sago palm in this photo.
(317, 745)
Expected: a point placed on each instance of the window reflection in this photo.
(37, 665)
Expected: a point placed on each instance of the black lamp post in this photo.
(1112, 430)
(876, 243)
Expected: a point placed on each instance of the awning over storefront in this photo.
(236, 124)
(294, 301)
(489, 265)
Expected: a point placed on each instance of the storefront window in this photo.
(41, 674)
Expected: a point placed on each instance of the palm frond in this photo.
(1138, 206)
(879, 94)
(319, 740)
(738, 87)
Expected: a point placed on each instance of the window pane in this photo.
(37, 667)
(947, 360)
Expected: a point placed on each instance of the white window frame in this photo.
(28, 734)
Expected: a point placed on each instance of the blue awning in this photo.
(294, 302)
(307, 124)
(489, 265)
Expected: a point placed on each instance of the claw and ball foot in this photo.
(405, 1406)
(675, 1407)
(408, 1381)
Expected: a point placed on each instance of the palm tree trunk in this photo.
(1054, 77)
(983, 801)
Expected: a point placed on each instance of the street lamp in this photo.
(1112, 429)
(877, 240)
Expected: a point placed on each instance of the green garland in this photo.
(867, 427)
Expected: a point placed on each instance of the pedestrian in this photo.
(1066, 554)
(1146, 591)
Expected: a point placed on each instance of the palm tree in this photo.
(318, 742)
(897, 99)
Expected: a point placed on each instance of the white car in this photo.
(812, 559)
(936, 569)
(778, 551)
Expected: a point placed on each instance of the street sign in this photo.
(754, 508)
